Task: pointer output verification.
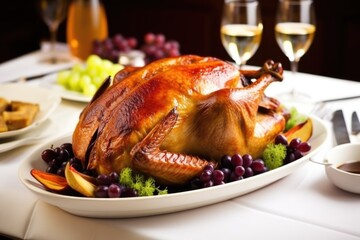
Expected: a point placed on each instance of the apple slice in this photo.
(79, 182)
(303, 131)
(50, 181)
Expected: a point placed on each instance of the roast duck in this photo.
(174, 116)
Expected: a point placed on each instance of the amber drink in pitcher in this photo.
(86, 22)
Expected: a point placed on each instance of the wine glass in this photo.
(294, 32)
(53, 13)
(241, 29)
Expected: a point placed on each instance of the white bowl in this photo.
(345, 153)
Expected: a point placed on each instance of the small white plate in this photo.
(45, 130)
(146, 206)
(46, 99)
(49, 82)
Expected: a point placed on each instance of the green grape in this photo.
(106, 65)
(74, 80)
(93, 61)
(97, 81)
(63, 77)
(84, 81)
(87, 78)
(78, 68)
(89, 90)
(92, 71)
(114, 69)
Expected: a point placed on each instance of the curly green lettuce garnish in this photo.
(144, 186)
(274, 155)
(295, 118)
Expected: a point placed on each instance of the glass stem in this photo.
(294, 69)
(53, 33)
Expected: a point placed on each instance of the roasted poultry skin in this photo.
(172, 117)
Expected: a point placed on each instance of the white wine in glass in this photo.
(241, 29)
(294, 32)
(53, 12)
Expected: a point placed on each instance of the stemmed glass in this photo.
(241, 29)
(53, 12)
(294, 32)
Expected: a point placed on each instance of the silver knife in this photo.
(355, 123)
(339, 128)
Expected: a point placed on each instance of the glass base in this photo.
(54, 59)
(57, 55)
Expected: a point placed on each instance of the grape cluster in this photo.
(295, 149)
(58, 157)
(230, 169)
(110, 48)
(86, 79)
(108, 187)
(156, 47)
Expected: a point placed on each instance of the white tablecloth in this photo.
(303, 205)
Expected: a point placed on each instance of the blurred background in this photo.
(195, 24)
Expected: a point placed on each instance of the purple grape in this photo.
(102, 179)
(227, 173)
(236, 160)
(48, 154)
(68, 148)
(234, 177)
(295, 142)
(159, 39)
(239, 171)
(51, 169)
(226, 162)
(297, 154)
(173, 44)
(101, 191)
(117, 39)
(209, 167)
(281, 139)
(63, 155)
(54, 163)
(149, 38)
(113, 177)
(219, 183)
(173, 53)
(247, 160)
(290, 157)
(114, 191)
(248, 172)
(129, 192)
(132, 42)
(195, 183)
(205, 176)
(57, 150)
(108, 44)
(218, 176)
(258, 166)
(304, 147)
(209, 183)
(61, 172)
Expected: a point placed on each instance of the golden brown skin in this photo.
(216, 114)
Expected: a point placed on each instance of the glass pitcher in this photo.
(86, 22)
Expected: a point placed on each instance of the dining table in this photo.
(304, 204)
